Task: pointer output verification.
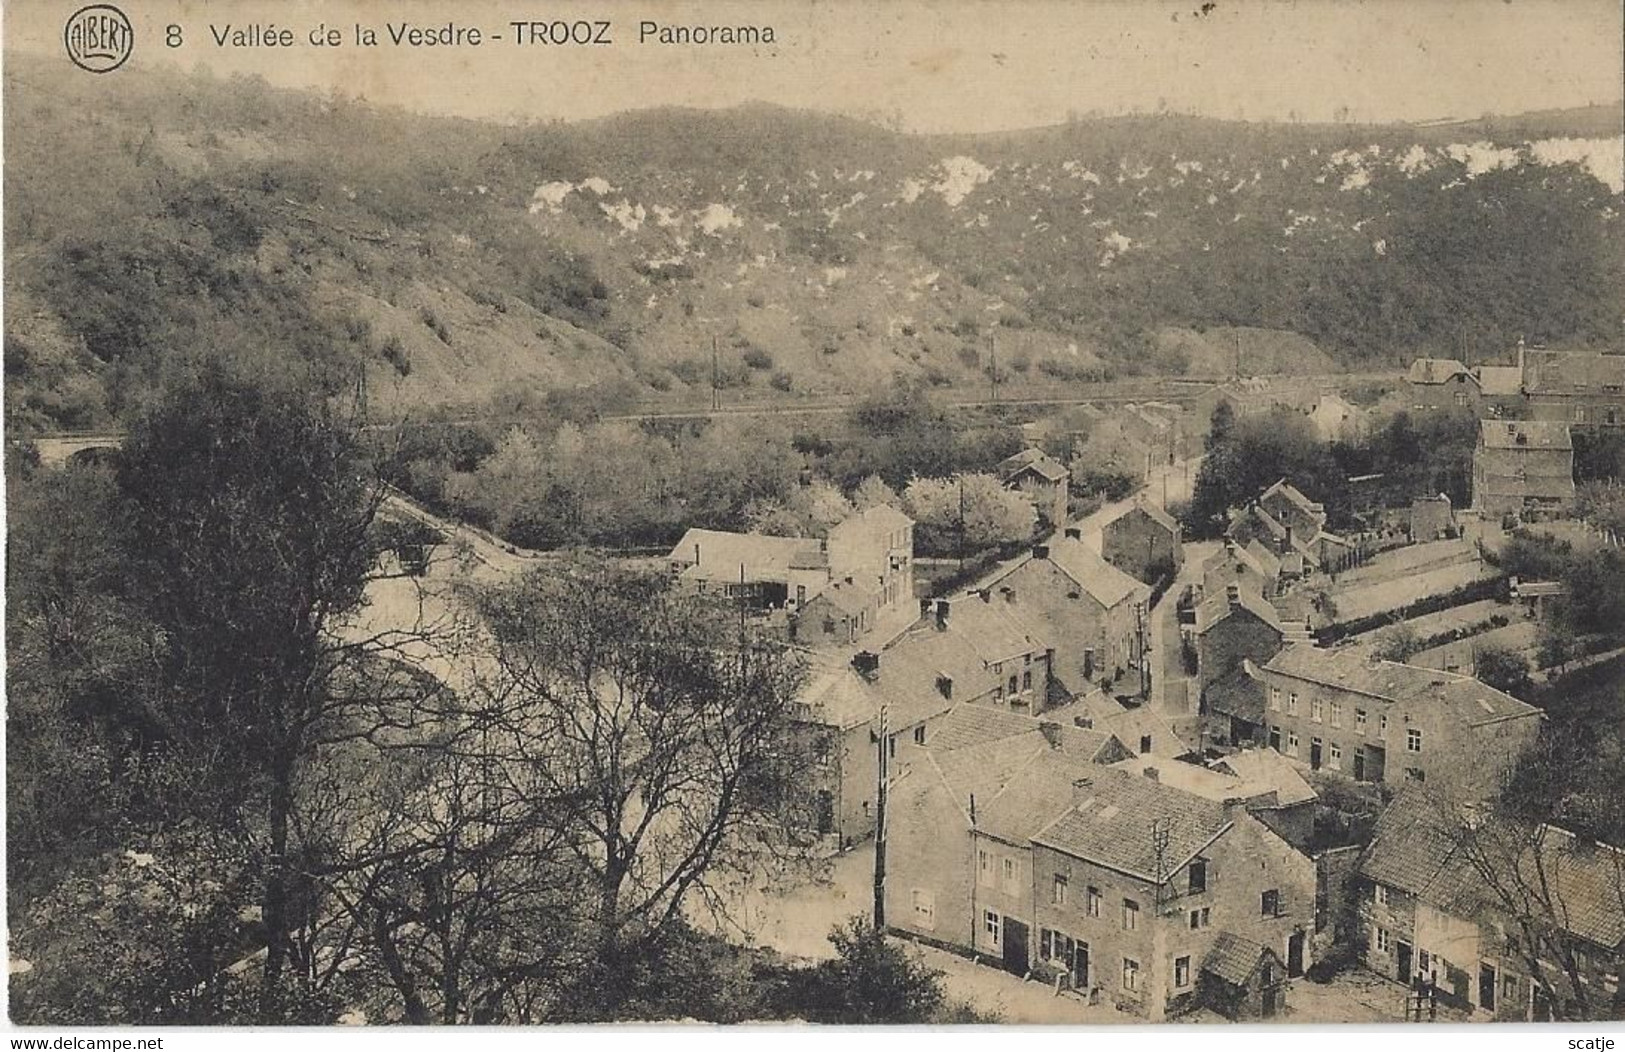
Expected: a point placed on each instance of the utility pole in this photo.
(716, 384)
(993, 363)
(880, 824)
(961, 522)
(1238, 355)
(1145, 660)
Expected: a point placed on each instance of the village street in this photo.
(1173, 693)
(1165, 484)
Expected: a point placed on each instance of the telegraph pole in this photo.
(880, 825)
(716, 379)
(993, 364)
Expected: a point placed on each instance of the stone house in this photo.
(1144, 542)
(1581, 388)
(1385, 722)
(1434, 906)
(1042, 479)
(1523, 467)
(1431, 518)
(1442, 383)
(1092, 610)
(960, 814)
(1234, 626)
(1234, 564)
(1135, 882)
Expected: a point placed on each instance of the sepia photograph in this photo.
(814, 513)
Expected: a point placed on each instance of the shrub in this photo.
(781, 381)
(436, 326)
(757, 358)
(394, 352)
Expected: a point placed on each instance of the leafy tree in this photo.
(1504, 669)
(968, 512)
(1398, 643)
(869, 981)
(873, 492)
(660, 726)
(250, 531)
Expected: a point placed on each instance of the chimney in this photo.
(925, 607)
(1151, 773)
(985, 595)
(945, 686)
(1232, 804)
(1051, 732)
(1074, 533)
(1008, 593)
(942, 613)
(1041, 551)
(696, 553)
(867, 664)
(1286, 544)
(1083, 791)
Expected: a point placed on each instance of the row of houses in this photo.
(1580, 388)
(1055, 852)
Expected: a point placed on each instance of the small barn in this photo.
(1241, 979)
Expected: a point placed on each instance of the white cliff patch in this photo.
(550, 196)
(629, 216)
(1603, 158)
(960, 176)
(715, 218)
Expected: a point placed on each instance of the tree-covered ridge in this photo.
(460, 260)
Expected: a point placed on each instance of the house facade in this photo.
(1144, 542)
(1434, 902)
(1233, 627)
(1382, 721)
(1523, 467)
(1442, 383)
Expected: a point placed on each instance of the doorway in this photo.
(1402, 950)
(1015, 946)
(1294, 955)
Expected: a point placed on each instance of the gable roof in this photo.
(1112, 824)
(1435, 371)
(1218, 606)
(977, 634)
(836, 695)
(1093, 573)
(1150, 511)
(1416, 848)
(878, 520)
(1565, 371)
(1265, 770)
(1474, 703)
(718, 555)
(1234, 959)
(1034, 460)
(1283, 488)
(966, 725)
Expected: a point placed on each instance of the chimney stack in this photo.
(1041, 551)
(1151, 773)
(985, 595)
(1051, 732)
(1008, 593)
(1074, 533)
(1083, 791)
(867, 664)
(942, 613)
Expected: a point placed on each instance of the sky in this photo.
(939, 66)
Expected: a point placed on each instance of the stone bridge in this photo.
(59, 450)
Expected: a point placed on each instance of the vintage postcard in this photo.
(814, 512)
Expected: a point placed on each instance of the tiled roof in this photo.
(1029, 800)
(722, 554)
(966, 725)
(1267, 561)
(1417, 847)
(977, 635)
(1112, 825)
(1233, 958)
(837, 696)
(1150, 511)
(1524, 434)
(1472, 701)
(1216, 607)
(1499, 380)
(1435, 370)
(1035, 460)
(1566, 371)
(1265, 770)
(1286, 489)
(1236, 694)
(1094, 574)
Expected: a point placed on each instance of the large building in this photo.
(1030, 854)
(1385, 722)
(1508, 921)
(1523, 467)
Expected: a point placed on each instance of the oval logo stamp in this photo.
(98, 38)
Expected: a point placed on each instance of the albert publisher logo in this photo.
(98, 38)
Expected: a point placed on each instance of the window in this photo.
(1382, 725)
(1131, 974)
(1201, 918)
(1027, 680)
(919, 735)
(925, 908)
(1198, 876)
(1057, 890)
(1056, 947)
(1008, 869)
(1275, 698)
(1292, 743)
(1335, 762)
(1317, 709)
(1094, 902)
(1182, 972)
(1269, 903)
(993, 924)
(1413, 739)
(891, 747)
(1131, 915)
(1359, 720)
(984, 869)
(1336, 714)
(1013, 681)
(1292, 703)
(998, 692)
(1380, 940)
(1509, 986)
(1379, 892)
